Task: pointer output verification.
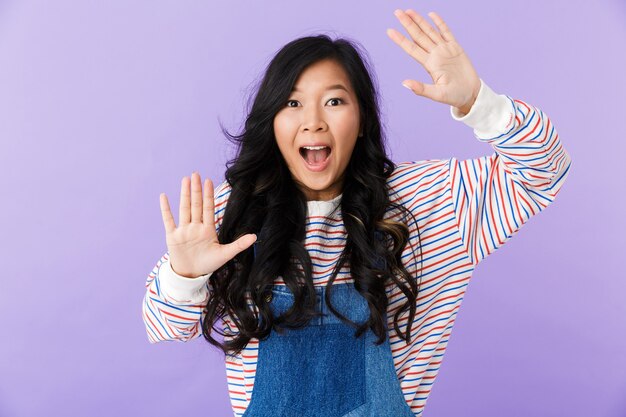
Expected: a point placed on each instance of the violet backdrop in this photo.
(104, 105)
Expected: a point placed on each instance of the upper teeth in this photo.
(315, 148)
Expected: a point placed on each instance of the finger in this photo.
(184, 212)
(426, 90)
(166, 214)
(408, 46)
(239, 245)
(208, 216)
(443, 28)
(417, 33)
(434, 37)
(196, 198)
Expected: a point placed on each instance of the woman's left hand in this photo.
(455, 80)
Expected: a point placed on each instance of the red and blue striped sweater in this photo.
(465, 210)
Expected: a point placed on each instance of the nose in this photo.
(312, 120)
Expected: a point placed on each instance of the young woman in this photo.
(337, 274)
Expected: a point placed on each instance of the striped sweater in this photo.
(465, 210)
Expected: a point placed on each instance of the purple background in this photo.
(104, 105)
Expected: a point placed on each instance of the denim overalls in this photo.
(322, 370)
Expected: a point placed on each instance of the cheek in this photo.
(284, 150)
(284, 131)
(346, 153)
(347, 129)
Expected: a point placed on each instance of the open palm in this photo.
(455, 80)
(193, 246)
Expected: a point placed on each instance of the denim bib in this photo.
(322, 370)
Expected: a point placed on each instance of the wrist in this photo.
(465, 109)
(491, 115)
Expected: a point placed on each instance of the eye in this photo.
(336, 98)
(290, 101)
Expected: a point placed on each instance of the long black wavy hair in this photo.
(265, 200)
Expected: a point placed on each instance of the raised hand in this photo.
(193, 246)
(455, 80)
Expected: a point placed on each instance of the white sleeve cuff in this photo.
(182, 289)
(490, 116)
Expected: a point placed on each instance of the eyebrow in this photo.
(330, 87)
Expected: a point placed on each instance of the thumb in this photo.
(239, 245)
(421, 89)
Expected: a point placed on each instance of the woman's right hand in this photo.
(193, 246)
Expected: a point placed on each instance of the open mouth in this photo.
(315, 155)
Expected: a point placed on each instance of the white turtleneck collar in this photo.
(322, 207)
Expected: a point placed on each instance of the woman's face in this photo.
(322, 110)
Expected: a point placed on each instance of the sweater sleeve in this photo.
(173, 305)
(494, 195)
